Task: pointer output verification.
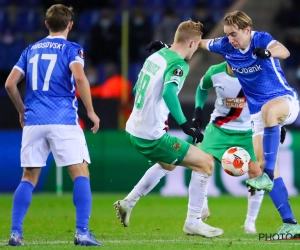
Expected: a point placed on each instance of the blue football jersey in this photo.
(50, 86)
(261, 79)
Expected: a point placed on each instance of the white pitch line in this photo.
(203, 241)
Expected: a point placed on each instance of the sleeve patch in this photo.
(178, 72)
(81, 54)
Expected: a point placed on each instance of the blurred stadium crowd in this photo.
(98, 28)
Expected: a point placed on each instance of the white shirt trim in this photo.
(18, 68)
(76, 61)
(53, 37)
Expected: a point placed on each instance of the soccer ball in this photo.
(236, 161)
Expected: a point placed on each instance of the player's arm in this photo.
(171, 99)
(200, 98)
(83, 87)
(203, 44)
(11, 83)
(278, 50)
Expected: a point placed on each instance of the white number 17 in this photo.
(34, 60)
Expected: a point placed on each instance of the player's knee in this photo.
(268, 114)
(206, 165)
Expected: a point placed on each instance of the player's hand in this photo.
(197, 118)
(282, 134)
(156, 45)
(193, 132)
(262, 53)
(95, 119)
(21, 119)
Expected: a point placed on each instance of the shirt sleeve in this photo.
(76, 54)
(176, 73)
(265, 40)
(216, 45)
(201, 97)
(21, 65)
(171, 99)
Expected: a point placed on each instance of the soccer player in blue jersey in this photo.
(254, 58)
(49, 120)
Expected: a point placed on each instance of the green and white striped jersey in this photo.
(231, 109)
(149, 114)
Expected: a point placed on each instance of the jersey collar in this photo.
(53, 37)
(246, 50)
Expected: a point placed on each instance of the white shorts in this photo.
(257, 121)
(66, 142)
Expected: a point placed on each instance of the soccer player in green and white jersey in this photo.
(230, 125)
(159, 83)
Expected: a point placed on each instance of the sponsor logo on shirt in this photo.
(239, 102)
(247, 70)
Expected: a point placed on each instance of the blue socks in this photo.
(271, 141)
(279, 196)
(82, 199)
(21, 203)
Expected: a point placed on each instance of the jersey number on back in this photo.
(142, 82)
(34, 60)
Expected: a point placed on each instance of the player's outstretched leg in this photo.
(262, 182)
(150, 179)
(254, 203)
(279, 196)
(197, 192)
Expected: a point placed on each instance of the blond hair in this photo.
(238, 18)
(58, 16)
(187, 30)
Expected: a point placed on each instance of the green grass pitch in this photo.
(156, 223)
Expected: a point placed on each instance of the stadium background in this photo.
(21, 22)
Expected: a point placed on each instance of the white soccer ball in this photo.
(236, 161)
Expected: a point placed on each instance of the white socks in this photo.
(197, 196)
(150, 179)
(254, 203)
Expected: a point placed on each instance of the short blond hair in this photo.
(187, 30)
(238, 18)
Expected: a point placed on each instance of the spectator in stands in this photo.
(140, 33)
(105, 39)
(167, 27)
(202, 14)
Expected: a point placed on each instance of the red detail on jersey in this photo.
(226, 119)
